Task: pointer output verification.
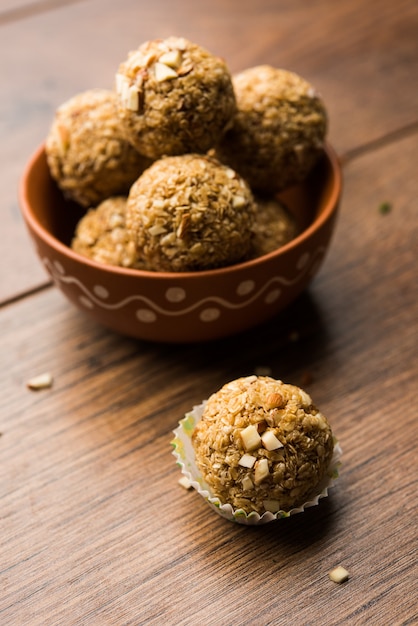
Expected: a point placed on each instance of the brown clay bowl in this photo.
(182, 307)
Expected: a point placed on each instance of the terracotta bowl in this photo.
(182, 307)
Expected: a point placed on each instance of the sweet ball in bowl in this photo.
(174, 97)
(190, 212)
(278, 131)
(87, 154)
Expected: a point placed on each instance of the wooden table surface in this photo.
(95, 528)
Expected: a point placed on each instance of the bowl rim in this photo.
(54, 243)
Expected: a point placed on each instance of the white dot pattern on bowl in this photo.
(175, 294)
(245, 287)
(272, 296)
(101, 292)
(207, 309)
(210, 314)
(146, 315)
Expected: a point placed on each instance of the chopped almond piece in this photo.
(247, 483)
(43, 381)
(247, 460)
(338, 574)
(172, 58)
(270, 441)
(164, 72)
(272, 505)
(250, 438)
(261, 471)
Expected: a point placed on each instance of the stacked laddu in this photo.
(178, 167)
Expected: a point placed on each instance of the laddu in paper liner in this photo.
(184, 452)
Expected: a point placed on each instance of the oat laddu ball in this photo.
(278, 132)
(87, 153)
(262, 445)
(274, 226)
(174, 97)
(190, 212)
(102, 235)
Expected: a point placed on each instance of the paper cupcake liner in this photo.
(184, 453)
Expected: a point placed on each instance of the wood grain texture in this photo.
(95, 529)
(14, 11)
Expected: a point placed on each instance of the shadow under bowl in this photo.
(190, 306)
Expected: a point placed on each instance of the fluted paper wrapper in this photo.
(184, 453)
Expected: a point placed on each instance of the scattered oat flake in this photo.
(385, 207)
(42, 381)
(185, 482)
(338, 575)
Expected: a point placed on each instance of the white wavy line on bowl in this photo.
(212, 299)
